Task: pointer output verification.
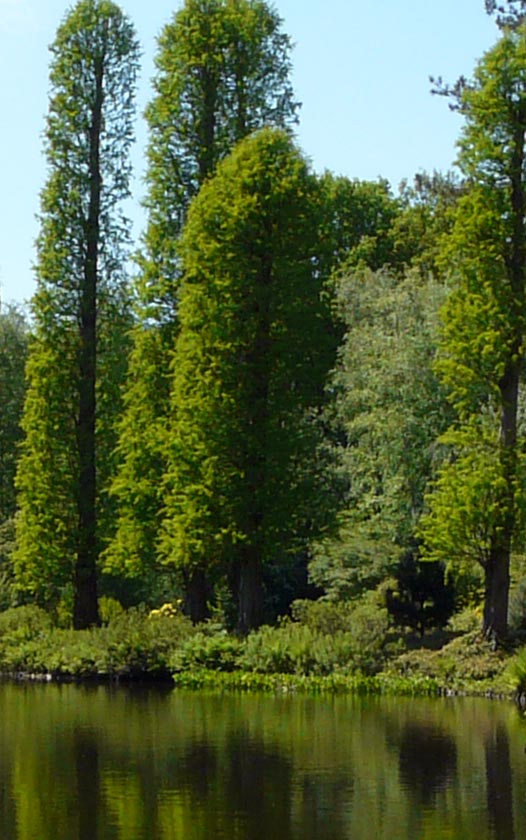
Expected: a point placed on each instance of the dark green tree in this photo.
(358, 224)
(80, 308)
(223, 70)
(245, 488)
(479, 494)
(422, 599)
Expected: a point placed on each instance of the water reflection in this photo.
(427, 761)
(499, 782)
(129, 765)
(87, 781)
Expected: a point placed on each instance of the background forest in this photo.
(298, 401)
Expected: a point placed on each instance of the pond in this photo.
(94, 763)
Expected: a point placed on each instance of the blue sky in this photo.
(360, 69)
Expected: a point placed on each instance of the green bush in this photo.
(110, 609)
(323, 616)
(298, 648)
(517, 607)
(468, 620)
(130, 645)
(23, 623)
(219, 652)
(516, 673)
(465, 659)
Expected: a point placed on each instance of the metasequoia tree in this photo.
(244, 488)
(477, 507)
(79, 309)
(223, 70)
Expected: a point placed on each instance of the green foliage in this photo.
(516, 673)
(23, 622)
(223, 70)
(466, 662)
(387, 411)
(13, 355)
(359, 684)
(466, 497)
(249, 366)
(467, 620)
(8, 592)
(477, 510)
(216, 652)
(323, 616)
(427, 216)
(323, 642)
(358, 224)
(82, 235)
(130, 645)
(110, 609)
(137, 487)
(517, 607)
(422, 599)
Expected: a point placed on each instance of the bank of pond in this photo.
(324, 648)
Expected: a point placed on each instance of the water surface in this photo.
(95, 763)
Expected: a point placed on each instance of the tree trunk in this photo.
(85, 607)
(496, 594)
(497, 575)
(258, 363)
(206, 149)
(250, 593)
(497, 569)
(196, 596)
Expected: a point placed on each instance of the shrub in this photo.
(109, 609)
(516, 673)
(23, 623)
(323, 616)
(212, 652)
(297, 648)
(129, 645)
(517, 607)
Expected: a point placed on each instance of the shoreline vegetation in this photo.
(162, 646)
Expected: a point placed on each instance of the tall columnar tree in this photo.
(244, 488)
(479, 493)
(223, 70)
(80, 307)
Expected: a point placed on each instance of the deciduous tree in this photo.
(223, 70)
(245, 487)
(387, 409)
(482, 351)
(80, 307)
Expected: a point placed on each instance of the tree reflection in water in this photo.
(499, 782)
(427, 760)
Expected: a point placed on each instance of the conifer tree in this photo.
(477, 509)
(80, 308)
(223, 70)
(244, 488)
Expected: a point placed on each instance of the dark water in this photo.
(95, 763)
